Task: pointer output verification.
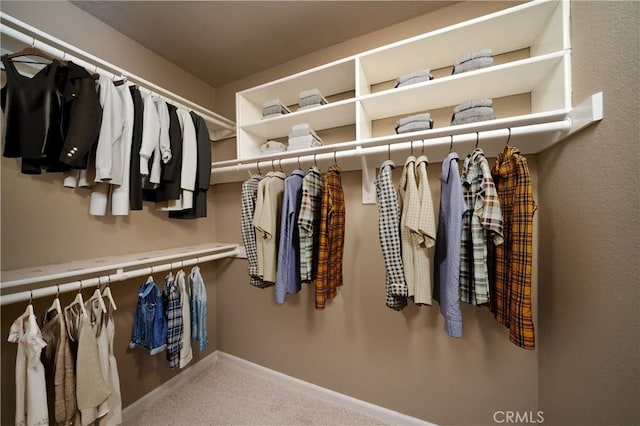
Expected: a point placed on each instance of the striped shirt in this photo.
(331, 238)
(481, 222)
(173, 308)
(511, 283)
(308, 222)
(389, 234)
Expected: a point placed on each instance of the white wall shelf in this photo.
(540, 29)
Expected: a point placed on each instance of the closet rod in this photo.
(364, 148)
(91, 62)
(107, 279)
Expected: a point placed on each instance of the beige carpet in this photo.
(227, 394)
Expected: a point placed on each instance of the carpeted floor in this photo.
(231, 395)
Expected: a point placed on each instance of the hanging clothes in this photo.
(389, 235)
(481, 223)
(135, 178)
(266, 220)
(175, 327)
(31, 393)
(331, 238)
(199, 308)
(150, 148)
(114, 417)
(97, 322)
(309, 224)
(189, 159)
(109, 151)
(169, 188)
(249, 196)
(427, 232)
(120, 193)
(149, 321)
(59, 369)
(447, 253)
(288, 269)
(186, 354)
(511, 283)
(33, 111)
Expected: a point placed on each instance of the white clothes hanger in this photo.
(55, 306)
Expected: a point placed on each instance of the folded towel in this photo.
(472, 119)
(312, 100)
(420, 73)
(310, 92)
(303, 142)
(275, 114)
(473, 111)
(272, 102)
(482, 53)
(275, 109)
(271, 147)
(411, 81)
(424, 116)
(415, 126)
(302, 130)
(473, 103)
(474, 64)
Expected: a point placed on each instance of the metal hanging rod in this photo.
(222, 126)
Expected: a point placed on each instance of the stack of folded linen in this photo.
(473, 61)
(274, 107)
(414, 78)
(271, 147)
(414, 123)
(302, 136)
(473, 111)
(310, 98)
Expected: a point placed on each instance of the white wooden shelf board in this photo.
(334, 114)
(501, 80)
(439, 48)
(330, 79)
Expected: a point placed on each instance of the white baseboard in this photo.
(383, 414)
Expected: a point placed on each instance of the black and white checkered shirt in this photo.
(389, 233)
(249, 195)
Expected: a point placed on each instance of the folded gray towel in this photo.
(473, 111)
(309, 92)
(415, 126)
(424, 116)
(411, 81)
(302, 130)
(420, 73)
(271, 147)
(312, 100)
(482, 53)
(275, 109)
(302, 142)
(472, 119)
(272, 102)
(474, 64)
(473, 103)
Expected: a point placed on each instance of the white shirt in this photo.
(150, 140)
(186, 354)
(109, 151)
(120, 194)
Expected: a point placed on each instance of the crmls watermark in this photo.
(518, 417)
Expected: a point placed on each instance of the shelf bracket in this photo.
(368, 178)
(589, 111)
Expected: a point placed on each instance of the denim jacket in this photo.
(149, 322)
(198, 308)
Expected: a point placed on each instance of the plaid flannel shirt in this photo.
(173, 308)
(331, 239)
(389, 234)
(482, 220)
(512, 261)
(308, 222)
(248, 196)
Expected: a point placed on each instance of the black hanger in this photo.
(258, 167)
(451, 145)
(388, 151)
(477, 139)
(422, 150)
(335, 160)
(299, 166)
(280, 165)
(509, 137)
(315, 162)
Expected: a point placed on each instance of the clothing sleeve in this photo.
(111, 129)
(488, 206)
(189, 151)
(150, 133)
(165, 144)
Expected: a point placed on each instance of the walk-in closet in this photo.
(294, 212)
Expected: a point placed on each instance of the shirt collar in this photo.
(297, 172)
(503, 161)
(446, 166)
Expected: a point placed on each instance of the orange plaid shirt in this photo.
(331, 244)
(511, 267)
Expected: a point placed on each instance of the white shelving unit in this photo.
(540, 28)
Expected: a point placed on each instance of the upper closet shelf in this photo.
(91, 272)
(18, 34)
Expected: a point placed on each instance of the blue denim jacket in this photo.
(198, 308)
(149, 322)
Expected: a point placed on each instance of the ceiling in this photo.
(222, 41)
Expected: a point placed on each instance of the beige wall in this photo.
(44, 223)
(589, 300)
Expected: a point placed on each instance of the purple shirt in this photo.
(288, 271)
(447, 256)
